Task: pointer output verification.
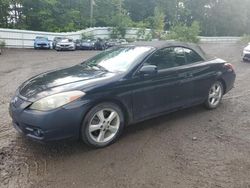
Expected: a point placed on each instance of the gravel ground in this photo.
(157, 153)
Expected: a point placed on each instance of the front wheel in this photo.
(244, 60)
(215, 95)
(103, 125)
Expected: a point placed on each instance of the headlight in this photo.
(57, 100)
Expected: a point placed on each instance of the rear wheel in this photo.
(215, 95)
(103, 125)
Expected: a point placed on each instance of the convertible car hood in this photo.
(49, 83)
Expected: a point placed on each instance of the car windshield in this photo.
(117, 59)
(86, 40)
(41, 38)
(57, 39)
(66, 40)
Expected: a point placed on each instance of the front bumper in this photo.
(246, 56)
(87, 47)
(65, 48)
(42, 46)
(58, 124)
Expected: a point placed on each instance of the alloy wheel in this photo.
(215, 94)
(104, 125)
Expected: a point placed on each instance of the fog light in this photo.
(38, 132)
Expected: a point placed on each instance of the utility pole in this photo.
(120, 10)
(120, 7)
(91, 12)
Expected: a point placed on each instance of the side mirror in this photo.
(148, 70)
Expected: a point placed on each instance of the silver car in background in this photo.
(66, 44)
(246, 53)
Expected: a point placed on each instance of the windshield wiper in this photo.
(101, 68)
(95, 67)
(89, 65)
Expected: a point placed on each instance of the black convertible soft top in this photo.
(171, 43)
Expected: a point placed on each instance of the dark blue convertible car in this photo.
(120, 86)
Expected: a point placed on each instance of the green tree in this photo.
(120, 25)
(216, 17)
(4, 12)
(184, 33)
(140, 9)
(158, 23)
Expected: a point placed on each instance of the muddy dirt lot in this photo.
(156, 153)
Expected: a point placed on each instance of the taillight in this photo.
(229, 67)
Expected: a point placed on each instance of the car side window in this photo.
(167, 58)
(192, 56)
(179, 56)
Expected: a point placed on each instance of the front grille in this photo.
(29, 130)
(64, 46)
(42, 45)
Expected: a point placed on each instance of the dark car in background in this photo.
(100, 44)
(55, 41)
(66, 44)
(124, 85)
(86, 44)
(41, 43)
(78, 44)
(91, 44)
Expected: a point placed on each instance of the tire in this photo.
(215, 95)
(102, 125)
(245, 60)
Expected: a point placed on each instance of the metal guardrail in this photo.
(24, 39)
(220, 39)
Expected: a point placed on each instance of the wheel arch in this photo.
(223, 84)
(125, 110)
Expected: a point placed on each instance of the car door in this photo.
(162, 92)
(201, 74)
